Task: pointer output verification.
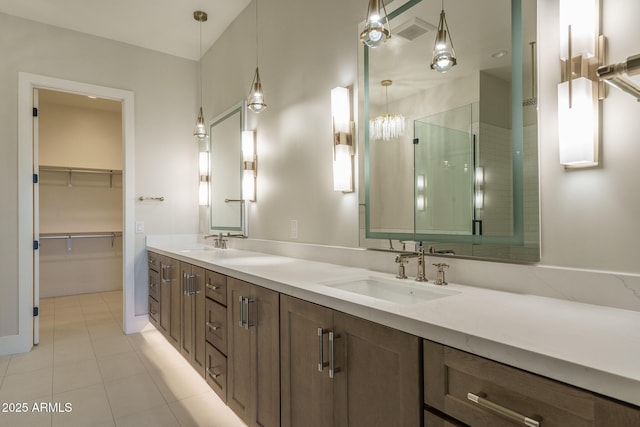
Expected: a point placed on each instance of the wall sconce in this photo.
(249, 166)
(343, 146)
(479, 187)
(421, 184)
(579, 93)
(203, 168)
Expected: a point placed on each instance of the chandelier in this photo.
(387, 126)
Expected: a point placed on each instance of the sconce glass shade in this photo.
(203, 171)
(444, 56)
(376, 28)
(581, 16)
(200, 131)
(577, 124)
(342, 169)
(255, 101)
(249, 165)
(340, 110)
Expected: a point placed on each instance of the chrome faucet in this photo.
(440, 279)
(402, 259)
(219, 241)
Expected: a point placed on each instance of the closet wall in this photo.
(80, 161)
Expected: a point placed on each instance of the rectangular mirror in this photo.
(457, 165)
(226, 212)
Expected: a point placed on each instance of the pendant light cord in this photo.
(257, 50)
(200, 61)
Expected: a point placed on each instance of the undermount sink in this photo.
(396, 291)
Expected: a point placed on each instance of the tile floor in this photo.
(84, 363)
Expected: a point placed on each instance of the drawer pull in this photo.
(213, 326)
(480, 400)
(321, 363)
(332, 365)
(212, 287)
(212, 374)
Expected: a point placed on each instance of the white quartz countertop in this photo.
(589, 346)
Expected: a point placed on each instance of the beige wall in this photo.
(165, 91)
(589, 217)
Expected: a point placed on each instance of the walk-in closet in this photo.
(79, 146)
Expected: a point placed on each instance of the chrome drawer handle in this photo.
(212, 287)
(213, 326)
(480, 400)
(212, 374)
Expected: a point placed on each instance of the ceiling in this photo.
(165, 26)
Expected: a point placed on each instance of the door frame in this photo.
(27, 82)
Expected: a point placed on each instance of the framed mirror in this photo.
(456, 166)
(226, 211)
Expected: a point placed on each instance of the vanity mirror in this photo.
(463, 176)
(226, 211)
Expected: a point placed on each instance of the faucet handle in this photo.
(440, 280)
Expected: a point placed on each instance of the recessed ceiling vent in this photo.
(413, 28)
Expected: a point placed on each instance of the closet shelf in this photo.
(69, 170)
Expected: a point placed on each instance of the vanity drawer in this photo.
(216, 325)
(216, 371)
(216, 287)
(154, 310)
(478, 392)
(434, 420)
(153, 260)
(154, 285)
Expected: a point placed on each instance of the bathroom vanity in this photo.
(291, 342)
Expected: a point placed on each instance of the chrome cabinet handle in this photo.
(332, 368)
(321, 363)
(197, 288)
(212, 374)
(213, 326)
(212, 287)
(163, 270)
(480, 400)
(241, 300)
(248, 301)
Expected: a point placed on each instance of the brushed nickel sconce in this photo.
(203, 168)
(343, 144)
(249, 166)
(582, 51)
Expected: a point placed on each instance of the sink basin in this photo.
(396, 291)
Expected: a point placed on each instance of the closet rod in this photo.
(79, 236)
(81, 170)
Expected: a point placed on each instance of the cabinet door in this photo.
(264, 315)
(307, 396)
(239, 350)
(199, 322)
(378, 382)
(186, 311)
(170, 300)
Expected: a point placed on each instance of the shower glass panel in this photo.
(444, 173)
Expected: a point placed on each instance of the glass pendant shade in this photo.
(444, 56)
(200, 132)
(376, 28)
(256, 96)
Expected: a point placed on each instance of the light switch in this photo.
(139, 227)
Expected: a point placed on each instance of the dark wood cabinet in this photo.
(192, 315)
(253, 362)
(481, 392)
(376, 370)
(154, 289)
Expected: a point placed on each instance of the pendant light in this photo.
(444, 56)
(255, 101)
(376, 27)
(387, 126)
(200, 132)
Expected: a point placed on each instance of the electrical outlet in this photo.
(293, 229)
(139, 227)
